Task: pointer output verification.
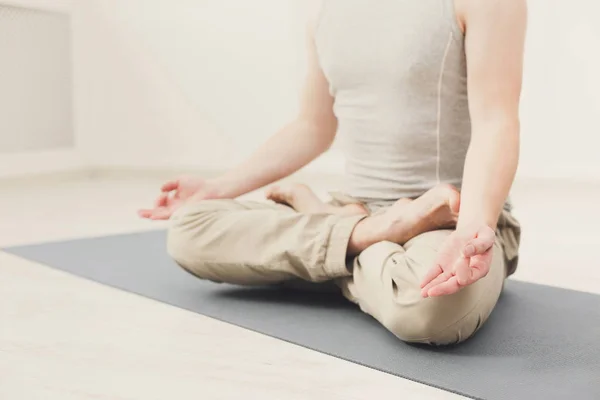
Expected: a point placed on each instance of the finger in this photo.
(145, 213)
(439, 280)
(443, 277)
(477, 274)
(170, 186)
(161, 214)
(270, 191)
(451, 286)
(161, 201)
(482, 243)
(462, 270)
(431, 275)
(480, 266)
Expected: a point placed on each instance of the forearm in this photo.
(490, 169)
(290, 149)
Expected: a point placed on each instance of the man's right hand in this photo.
(179, 191)
(293, 147)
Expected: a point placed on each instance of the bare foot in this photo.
(302, 199)
(436, 209)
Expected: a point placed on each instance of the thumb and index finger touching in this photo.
(160, 210)
(170, 186)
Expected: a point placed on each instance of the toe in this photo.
(271, 192)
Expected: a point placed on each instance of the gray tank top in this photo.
(397, 70)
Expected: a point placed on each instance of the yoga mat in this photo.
(540, 342)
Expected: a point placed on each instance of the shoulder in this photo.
(469, 11)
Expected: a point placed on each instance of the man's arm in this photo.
(495, 35)
(494, 43)
(310, 134)
(296, 144)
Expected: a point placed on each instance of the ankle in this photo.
(367, 232)
(399, 227)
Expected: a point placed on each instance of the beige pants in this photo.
(252, 243)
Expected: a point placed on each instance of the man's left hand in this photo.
(464, 258)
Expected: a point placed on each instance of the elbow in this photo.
(509, 130)
(326, 131)
(497, 136)
(497, 122)
(504, 129)
(327, 144)
(321, 131)
(511, 126)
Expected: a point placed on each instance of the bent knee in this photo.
(186, 244)
(181, 249)
(436, 320)
(390, 279)
(439, 321)
(211, 251)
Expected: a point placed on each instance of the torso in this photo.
(397, 70)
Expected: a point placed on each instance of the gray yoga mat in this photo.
(540, 342)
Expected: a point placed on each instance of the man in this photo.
(390, 78)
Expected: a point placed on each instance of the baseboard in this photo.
(39, 163)
(63, 6)
(328, 166)
(65, 164)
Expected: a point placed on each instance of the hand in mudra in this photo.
(464, 258)
(177, 192)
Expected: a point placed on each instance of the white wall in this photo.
(186, 83)
(36, 121)
(35, 77)
(201, 82)
(561, 96)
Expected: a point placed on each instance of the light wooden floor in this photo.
(62, 337)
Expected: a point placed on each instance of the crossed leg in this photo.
(302, 199)
(436, 209)
(250, 243)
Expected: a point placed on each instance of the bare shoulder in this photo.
(469, 11)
